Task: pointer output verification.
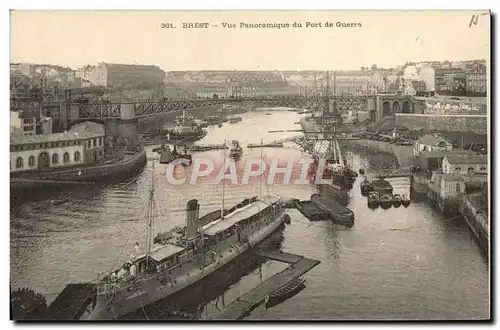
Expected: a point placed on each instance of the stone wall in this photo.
(476, 124)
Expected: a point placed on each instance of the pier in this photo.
(72, 301)
(242, 306)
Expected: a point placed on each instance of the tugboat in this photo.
(385, 201)
(236, 151)
(405, 201)
(366, 187)
(396, 200)
(373, 199)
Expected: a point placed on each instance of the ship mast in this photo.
(150, 214)
(260, 181)
(223, 182)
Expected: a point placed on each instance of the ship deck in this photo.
(242, 306)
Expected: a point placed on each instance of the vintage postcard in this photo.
(255, 165)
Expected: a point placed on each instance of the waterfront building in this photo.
(433, 160)
(94, 142)
(126, 76)
(83, 145)
(431, 143)
(465, 164)
(452, 186)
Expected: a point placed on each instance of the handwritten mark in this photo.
(474, 20)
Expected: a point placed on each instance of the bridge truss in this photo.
(107, 110)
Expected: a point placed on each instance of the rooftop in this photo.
(54, 137)
(432, 140)
(453, 177)
(467, 159)
(165, 251)
(444, 153)
(87, 127)
(235, 217)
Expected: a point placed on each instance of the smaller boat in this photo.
(233, 120)
(366, 187)
(268, 113)
(287, 291)
(382, 186)
(236, 151)
(310, 210)
(396, 200)
(385, 201)
(167, 156)
(59, 201)
(405, 201)
(219, 125)
(208, 147)
(266, 145)
(373, 199)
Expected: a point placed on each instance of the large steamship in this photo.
(183, 256)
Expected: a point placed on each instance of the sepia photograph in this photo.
(250, 165)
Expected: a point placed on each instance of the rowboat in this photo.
(287, 291)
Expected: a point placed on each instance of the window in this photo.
(89, 144)
(95, 141)
(77, 156)
(483, 168)
(457, 169)
(66, 157)
(100, 142)
(31, 161)
(55, 158)
(19, 162)
(457, 187)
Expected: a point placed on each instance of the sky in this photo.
(385, 38)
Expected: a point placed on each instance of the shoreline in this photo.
(402, 154)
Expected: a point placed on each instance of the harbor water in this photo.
(400, 263)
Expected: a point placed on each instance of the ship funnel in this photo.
(192, 215)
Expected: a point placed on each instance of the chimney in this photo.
(192, 215)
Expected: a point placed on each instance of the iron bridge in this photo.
(107, 110)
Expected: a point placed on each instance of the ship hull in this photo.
(154, 290)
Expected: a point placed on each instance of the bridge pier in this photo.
(124, 127)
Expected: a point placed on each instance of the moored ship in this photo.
(183, 256)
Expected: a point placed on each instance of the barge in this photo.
(336, 211)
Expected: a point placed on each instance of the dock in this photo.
(242, 306)
(33, 182)
(72, 301)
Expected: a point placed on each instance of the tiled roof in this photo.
(467, 159)
(444, 153)
(453, 177)
(86, 130)
(431, 140)
(87, 127)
